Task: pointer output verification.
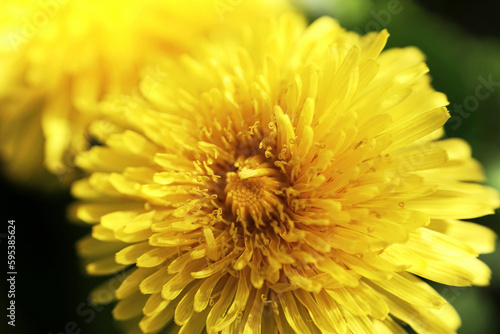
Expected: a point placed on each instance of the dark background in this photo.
(462, 43)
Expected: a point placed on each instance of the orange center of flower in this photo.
(253, 190)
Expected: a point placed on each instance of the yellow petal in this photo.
(480, 238)
(292, 314)
(130, 307)
(130, 254)
(105, 266)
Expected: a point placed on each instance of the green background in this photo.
(462, 44)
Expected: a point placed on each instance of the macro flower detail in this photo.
(284, 178)
(58, 59)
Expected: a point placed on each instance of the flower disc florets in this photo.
(286, 179)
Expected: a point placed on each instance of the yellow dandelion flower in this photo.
(58, 58)
(286, 179)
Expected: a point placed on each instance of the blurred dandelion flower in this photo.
(59, 58)
(285, 179)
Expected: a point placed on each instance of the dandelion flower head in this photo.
(285, 179)
(59, 58)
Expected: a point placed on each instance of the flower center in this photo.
(253, 191)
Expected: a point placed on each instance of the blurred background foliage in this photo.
(462, 44)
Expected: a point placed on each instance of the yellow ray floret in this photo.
(285, 179)
(59, 58)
